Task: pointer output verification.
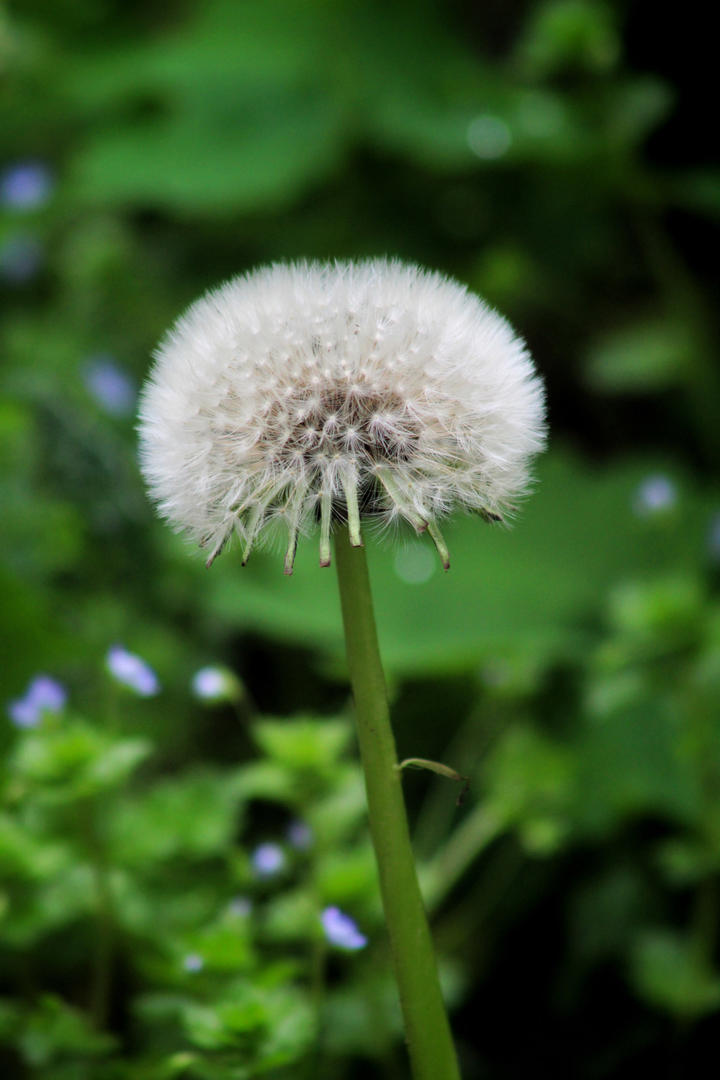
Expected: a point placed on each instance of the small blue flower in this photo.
(341, 930)
(267, 860)
(47, 693)
(23, 713)
(299, 835)
(21, 258)
(656, 494)
(110, 385)
(26, 185)
(216, 684)
(132, 671)
(193, 963)
(44, 694)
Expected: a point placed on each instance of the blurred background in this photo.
(186, 884)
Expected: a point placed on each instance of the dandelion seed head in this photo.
(311, 393)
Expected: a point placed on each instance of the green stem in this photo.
(432, 1053)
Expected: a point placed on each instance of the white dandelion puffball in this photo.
(315, 393)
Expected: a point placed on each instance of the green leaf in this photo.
(301, 743)
(26, 855)
(75, 761)
(292, 917)
(337, 815)
(348, 876)
(291, 1028)
(54, 1029)
(205, 1028)
(63, 899)
(633, 761)
(194, 815)
(658, 617)
(530, 784)
(651, 355)
(223, 947)
(214, 159)
(267, 780)
(669, 973)
(686, 861)
(572, 35)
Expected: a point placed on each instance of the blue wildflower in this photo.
(132, 671)
(341, 930)
(655, 495)
(112, 388)
(26, 185)
(215, 684)
(44, 694)
(267, 860)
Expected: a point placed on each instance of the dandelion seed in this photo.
(132, 671)
(315, 395)
(341, 930)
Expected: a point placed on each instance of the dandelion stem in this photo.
(428, 1033)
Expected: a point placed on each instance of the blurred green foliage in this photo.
(570, 665)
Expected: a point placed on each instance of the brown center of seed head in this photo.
(338, 421)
